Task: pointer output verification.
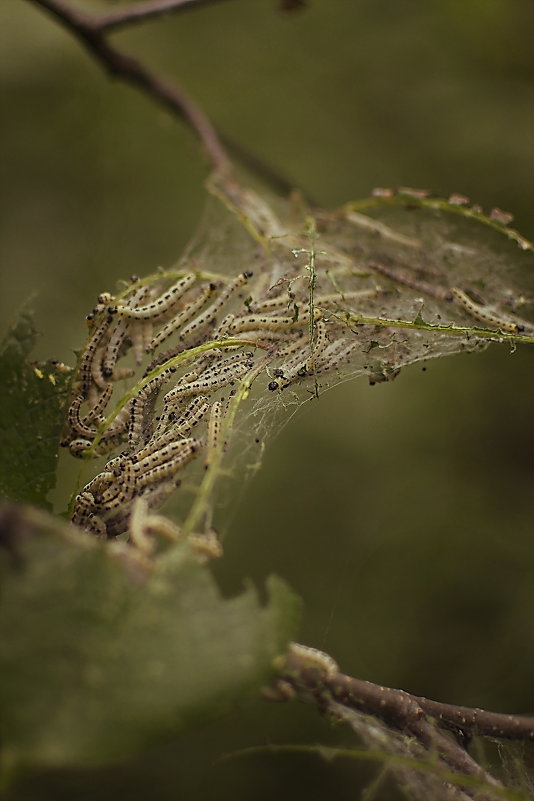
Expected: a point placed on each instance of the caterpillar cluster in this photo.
(195, 336)
(176, 414)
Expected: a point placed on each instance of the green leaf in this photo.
(104, 652)
(31, 416)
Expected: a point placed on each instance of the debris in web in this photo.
(266, 310)
(422, 774)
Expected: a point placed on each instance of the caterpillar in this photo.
(484, 314)
(97, 375)
(120, 423)
(213, 432)
(96, 410)
(164, 454)
(303, 363)
(78, 446)
(88, 354)
(190, 418)
(224, 327)
(334, 355)
(225, 365)
(156, 474)
(111, 353)
(155, 310)
(272, 304)
(212, 310)
(213, 381)
(183, 317)
(99, 483)
(138, 404)
(122, 491)
(85, 505)
(315, 658)
(192, 415)
(76, 423)
(257, 321)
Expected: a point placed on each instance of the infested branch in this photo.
(398, 708)
(314, 677)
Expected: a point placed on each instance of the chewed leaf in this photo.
(31, 416)
(104, 652)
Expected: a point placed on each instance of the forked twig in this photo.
(91, 30)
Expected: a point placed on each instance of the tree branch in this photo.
(397, 707)
(139, 12)
(314, 676)
(478, 722)
(88, 30)
(91, 31)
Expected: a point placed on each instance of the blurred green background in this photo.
(401, 513)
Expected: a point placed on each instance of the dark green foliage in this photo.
(31, 416)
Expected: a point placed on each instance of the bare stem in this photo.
(91, 31)
(139, 12)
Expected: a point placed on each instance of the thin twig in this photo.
(91, 31)
(87, 29)
(314, 677)
(478, 722)
(279, 181)
(401, 709)
(139, 12)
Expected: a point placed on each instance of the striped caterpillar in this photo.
(485, 314)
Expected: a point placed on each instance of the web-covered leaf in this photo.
(105, 650)
(31, 416)
(266, 310)
(422, 774)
